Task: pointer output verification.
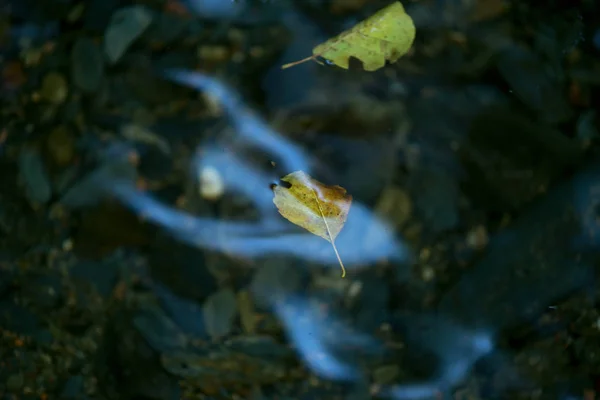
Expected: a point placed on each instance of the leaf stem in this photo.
(297, 62)
(338, 257)
(329, 233)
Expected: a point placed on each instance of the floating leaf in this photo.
(320, 209)
(386, 35)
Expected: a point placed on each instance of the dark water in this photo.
(142, 255)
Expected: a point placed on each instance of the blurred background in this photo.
(142, 257)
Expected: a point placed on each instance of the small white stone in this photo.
(211, 184)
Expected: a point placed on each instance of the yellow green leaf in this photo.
(385, 36)
(320, 209)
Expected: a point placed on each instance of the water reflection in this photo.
(457, 350)
(270, 235)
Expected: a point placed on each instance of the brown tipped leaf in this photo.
(320, 209)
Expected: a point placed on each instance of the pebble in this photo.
(61, 145)
(126, 25)
(477, 238)
(220, 311)
(15, 382)
(140, 134)
(386, 374)
(54, 88)
(34, 175)
(395, 205)
(87, 65)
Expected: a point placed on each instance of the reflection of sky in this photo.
(457, 349)
(271, 235)
(315, 337)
